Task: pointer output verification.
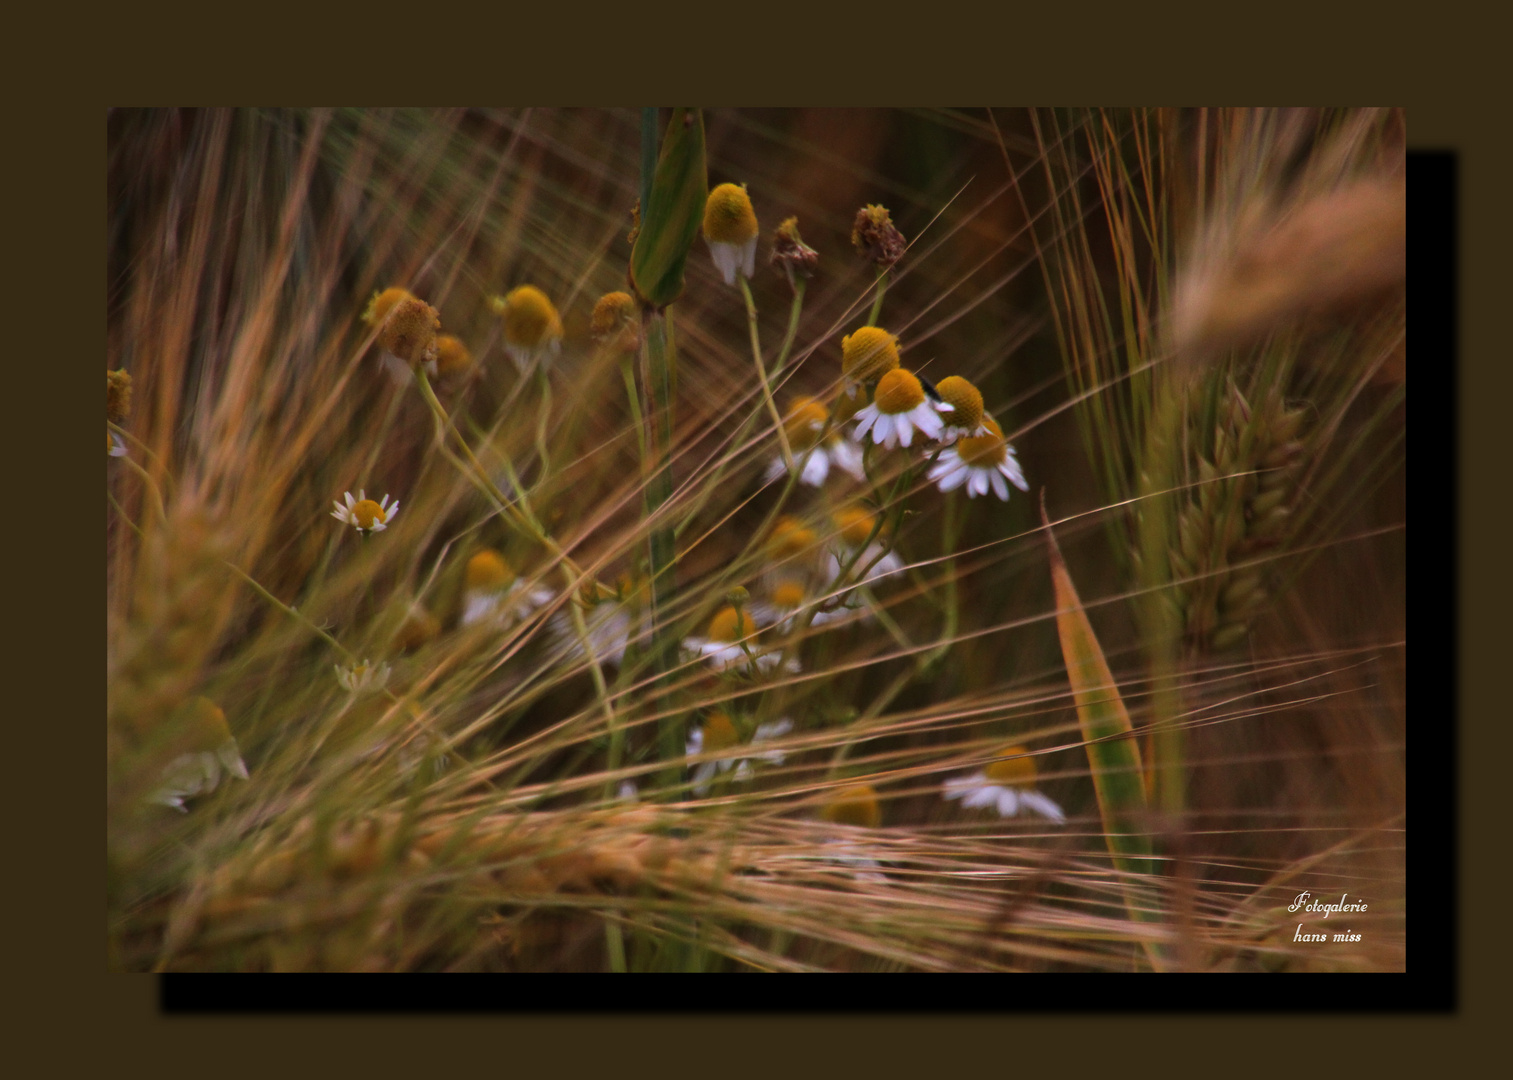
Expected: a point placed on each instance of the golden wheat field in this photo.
(756, 540)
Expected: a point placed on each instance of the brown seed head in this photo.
(409, 330)
(876, 238)
(117, 395)
(791, 253)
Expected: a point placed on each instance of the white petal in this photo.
(845, 454)
(905, 428)
(978, 485)
(1000, 485)
(928, 420)
(816, 468)
(748, 257)
(743, 771)
(987, 795)
(1010, 468)
(726, 259)
(774, 470)
(702, 776)
(1008, 802)
(1037, 802)
(772, 730)
(958, 786)
(478, 606)
(958, 476)
(695, 742)
(882, 431)
(866, 417)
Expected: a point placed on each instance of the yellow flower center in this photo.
(728, 216)
(367, 514)
(982, 450)
(451, 354)
(855, 525)
(615, 314)
(109, 442)
(853, 805)
(488, 570)
(897, 392)
(530, 320)
(203, 724)
(965, 398)
(1013, 770)
(382, 303)
(730, 625)
(719, 733)
(788, 594)
(804, 422)
(790, 539)
(992, 425)
(869, 354)
(419, 627)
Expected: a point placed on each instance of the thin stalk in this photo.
(756, 355)
(543, 418)
(877, 301)
(713, 485)
(948, 536)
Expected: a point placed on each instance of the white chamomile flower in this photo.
(899, 408)
(966, 416)
(494, 593)
(803, 426)
(532, 329)
(786, 602)
(364, 514)
(208, 750)
(115, 446)
(1006, 785)
(612, 620)
(730, 642)
(363, 676)
(718, 733)
(875, 561)
(980, 461)
(730, 229)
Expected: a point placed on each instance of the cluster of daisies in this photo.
(975, 454)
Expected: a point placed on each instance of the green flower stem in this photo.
(877, 301)
(949, 529)
(793, 327)
(628, 373)
(657, 364)
(571, 574)
(756, 355)
(543, 418)
(293, 613)
(713, 485)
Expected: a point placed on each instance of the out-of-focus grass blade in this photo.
(673, 212)
(1112, 750)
